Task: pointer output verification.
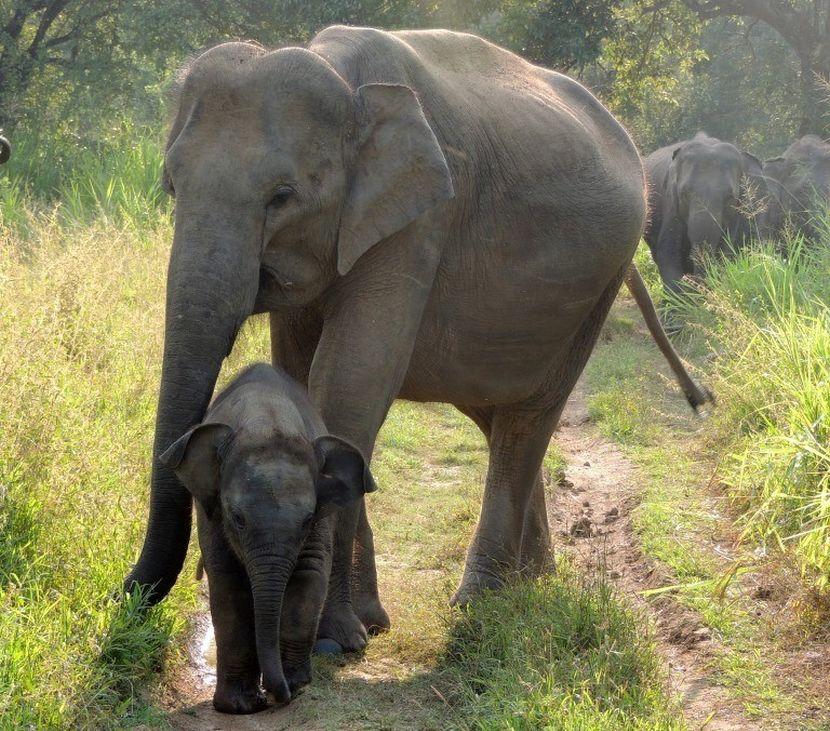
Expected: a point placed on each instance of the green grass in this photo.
(114, 177)
(558, 653)
(766, 321)
(78, 346)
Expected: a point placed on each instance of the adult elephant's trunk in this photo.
(705, 233)
(211, 287)
(269, 577)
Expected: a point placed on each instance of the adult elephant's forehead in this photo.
(217, 69)
(243, 78)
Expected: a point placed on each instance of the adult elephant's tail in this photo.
(696, 395)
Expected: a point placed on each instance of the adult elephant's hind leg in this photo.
(535, 552)
(519, 437)
(518, 440)
(535, 557)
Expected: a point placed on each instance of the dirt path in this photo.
(591, 518)
(591, 515)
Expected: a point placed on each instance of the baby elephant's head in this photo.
(267, 490)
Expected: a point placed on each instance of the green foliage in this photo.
(744, 88)
(668, 74)
(665, 72)
(767, 319)
(651, 57)
(562, 34)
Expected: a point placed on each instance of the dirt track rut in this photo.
(591, 517)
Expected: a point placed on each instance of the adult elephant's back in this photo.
(508, 128)
(548, 209)
(542, 172)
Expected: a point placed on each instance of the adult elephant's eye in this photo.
(282, 195)
(237, 519)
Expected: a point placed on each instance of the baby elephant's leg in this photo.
(231, 609)
(303, 604)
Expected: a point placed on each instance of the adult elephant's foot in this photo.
(535, 562)
(239, 697)
(535, 556)
(340, 624)
(473, 583)
(368, 608)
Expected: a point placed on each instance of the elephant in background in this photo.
(425, 216)
(798, 184)
(5, 149)
(696, 188)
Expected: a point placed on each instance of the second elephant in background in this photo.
(695, 194)
(799, 187)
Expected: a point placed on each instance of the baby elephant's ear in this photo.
(344, 474)
(195, 457)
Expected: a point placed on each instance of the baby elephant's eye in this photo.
(282, 195)
(237, 519)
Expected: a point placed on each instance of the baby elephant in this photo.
(267, 479)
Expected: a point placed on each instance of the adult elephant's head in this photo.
(708, 178)
(284, 176)
(799, 185)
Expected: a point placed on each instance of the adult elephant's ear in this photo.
(776, 168)
(399, 170)
(752, 165)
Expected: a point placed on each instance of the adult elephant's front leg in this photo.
(359, 366)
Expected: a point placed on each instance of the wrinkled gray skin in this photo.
(268, 480)
(425, 216)
(798, 183)
(5, 150)
(695, 189)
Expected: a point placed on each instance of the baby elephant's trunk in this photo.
(268, 581)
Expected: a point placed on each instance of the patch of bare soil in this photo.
(590, 514)
(380, 683)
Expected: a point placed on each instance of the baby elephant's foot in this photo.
(238, 697)
(298, 677)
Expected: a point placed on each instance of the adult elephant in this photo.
(5, 150)
(695, 193)
(425, 216)
(798, 183)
